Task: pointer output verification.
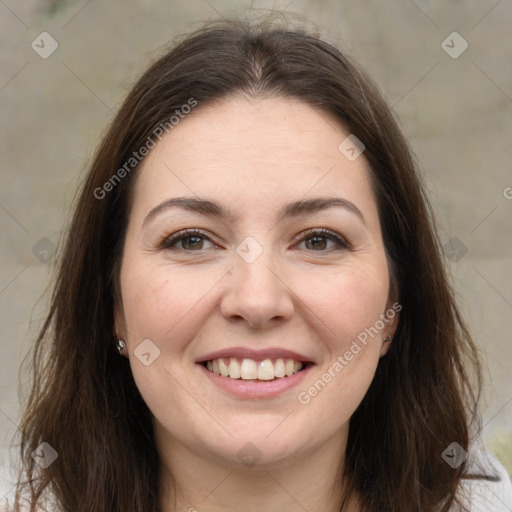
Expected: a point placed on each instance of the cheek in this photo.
(350, 304)
(347, 303)
(164, 305)
(333, 398)
(160, 302)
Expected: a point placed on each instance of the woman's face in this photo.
(287, 270)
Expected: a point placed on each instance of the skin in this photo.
(314, 297)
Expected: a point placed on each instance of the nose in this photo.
(257, 294)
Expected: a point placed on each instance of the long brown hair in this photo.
(84, 402)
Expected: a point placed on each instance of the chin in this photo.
(262, 447)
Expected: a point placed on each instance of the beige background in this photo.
(456, 112)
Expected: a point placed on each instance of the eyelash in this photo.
(168, 242)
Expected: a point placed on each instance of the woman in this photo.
(251, 310)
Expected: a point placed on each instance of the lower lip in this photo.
(256, 388)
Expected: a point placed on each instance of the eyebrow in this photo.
(294, 209)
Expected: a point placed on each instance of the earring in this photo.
(387, 338)
(120, 345)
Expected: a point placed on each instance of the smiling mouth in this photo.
(250, 369)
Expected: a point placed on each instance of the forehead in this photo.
(253, 152)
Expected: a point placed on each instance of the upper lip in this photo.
(256, 355)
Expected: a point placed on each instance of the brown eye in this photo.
(191, 242)
(318, 240)
(187, 240)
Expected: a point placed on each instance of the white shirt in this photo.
(486, 495)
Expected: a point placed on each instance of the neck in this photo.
(198, 483)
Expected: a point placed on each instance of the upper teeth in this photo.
(248, 369)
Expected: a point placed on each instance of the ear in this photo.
(119, 321)
(391, 317)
